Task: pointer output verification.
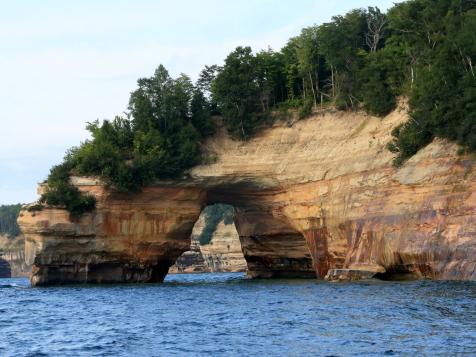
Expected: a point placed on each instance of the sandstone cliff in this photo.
(222, 254)
(317, 196)
(12, 258)
(192, 260)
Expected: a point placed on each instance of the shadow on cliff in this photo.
(5, 269)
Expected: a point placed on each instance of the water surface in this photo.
(228, 315)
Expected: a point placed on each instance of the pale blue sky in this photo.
(64, 63)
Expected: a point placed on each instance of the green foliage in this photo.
(440, 38)
(204, 85)
(35, 207)
(343, 45)
(8, 220)
(306, 109)
(422, 49)
(375, 91)
(409, 138)
(59, 192)
(160, 138)
(201, 112)
(295, 103)
(214, 214)
(237, 90)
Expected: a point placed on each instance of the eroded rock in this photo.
(320, 195)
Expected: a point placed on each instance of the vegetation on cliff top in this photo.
(8, 220)
(421, 49)
(160, 137)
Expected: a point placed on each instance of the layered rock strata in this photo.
(15, 263)
(12, 258)
(320, 195)
(192, 260)
(222, 254)
(128, 238)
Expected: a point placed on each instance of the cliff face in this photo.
(129, 238)
(319, 196)
(192, 260)
(12, 258)
(222, 254)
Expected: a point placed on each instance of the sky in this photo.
(66, 63)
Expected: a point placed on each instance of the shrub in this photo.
(306, 108)
(60, 192)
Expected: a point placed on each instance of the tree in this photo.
(341, 42)
(236, 90)
(376, 89)
(204, 85)
(291, 69)
(442, 94)
(376, 28)
(206, 77)
(200, 114)
(422, 49)
(271, 78)
(311, 64)
(160, 138)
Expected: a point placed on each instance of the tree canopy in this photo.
(160, 137)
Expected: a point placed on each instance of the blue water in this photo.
(228, 315)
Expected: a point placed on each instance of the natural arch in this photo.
(138, 237)
(266, 246)
(215, 244)
(271, 246)
(320, 197)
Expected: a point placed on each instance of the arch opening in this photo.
(215, 245)
(139, 240)
(270, 246)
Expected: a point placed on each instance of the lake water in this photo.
(228, 315)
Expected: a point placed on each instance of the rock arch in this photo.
(136, 238)
(272, 247)
(318, 198)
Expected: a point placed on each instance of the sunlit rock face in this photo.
(317, 196)
(12, 257)
(126, 239)
(14, 264)
(222, 253)
(192, 260)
